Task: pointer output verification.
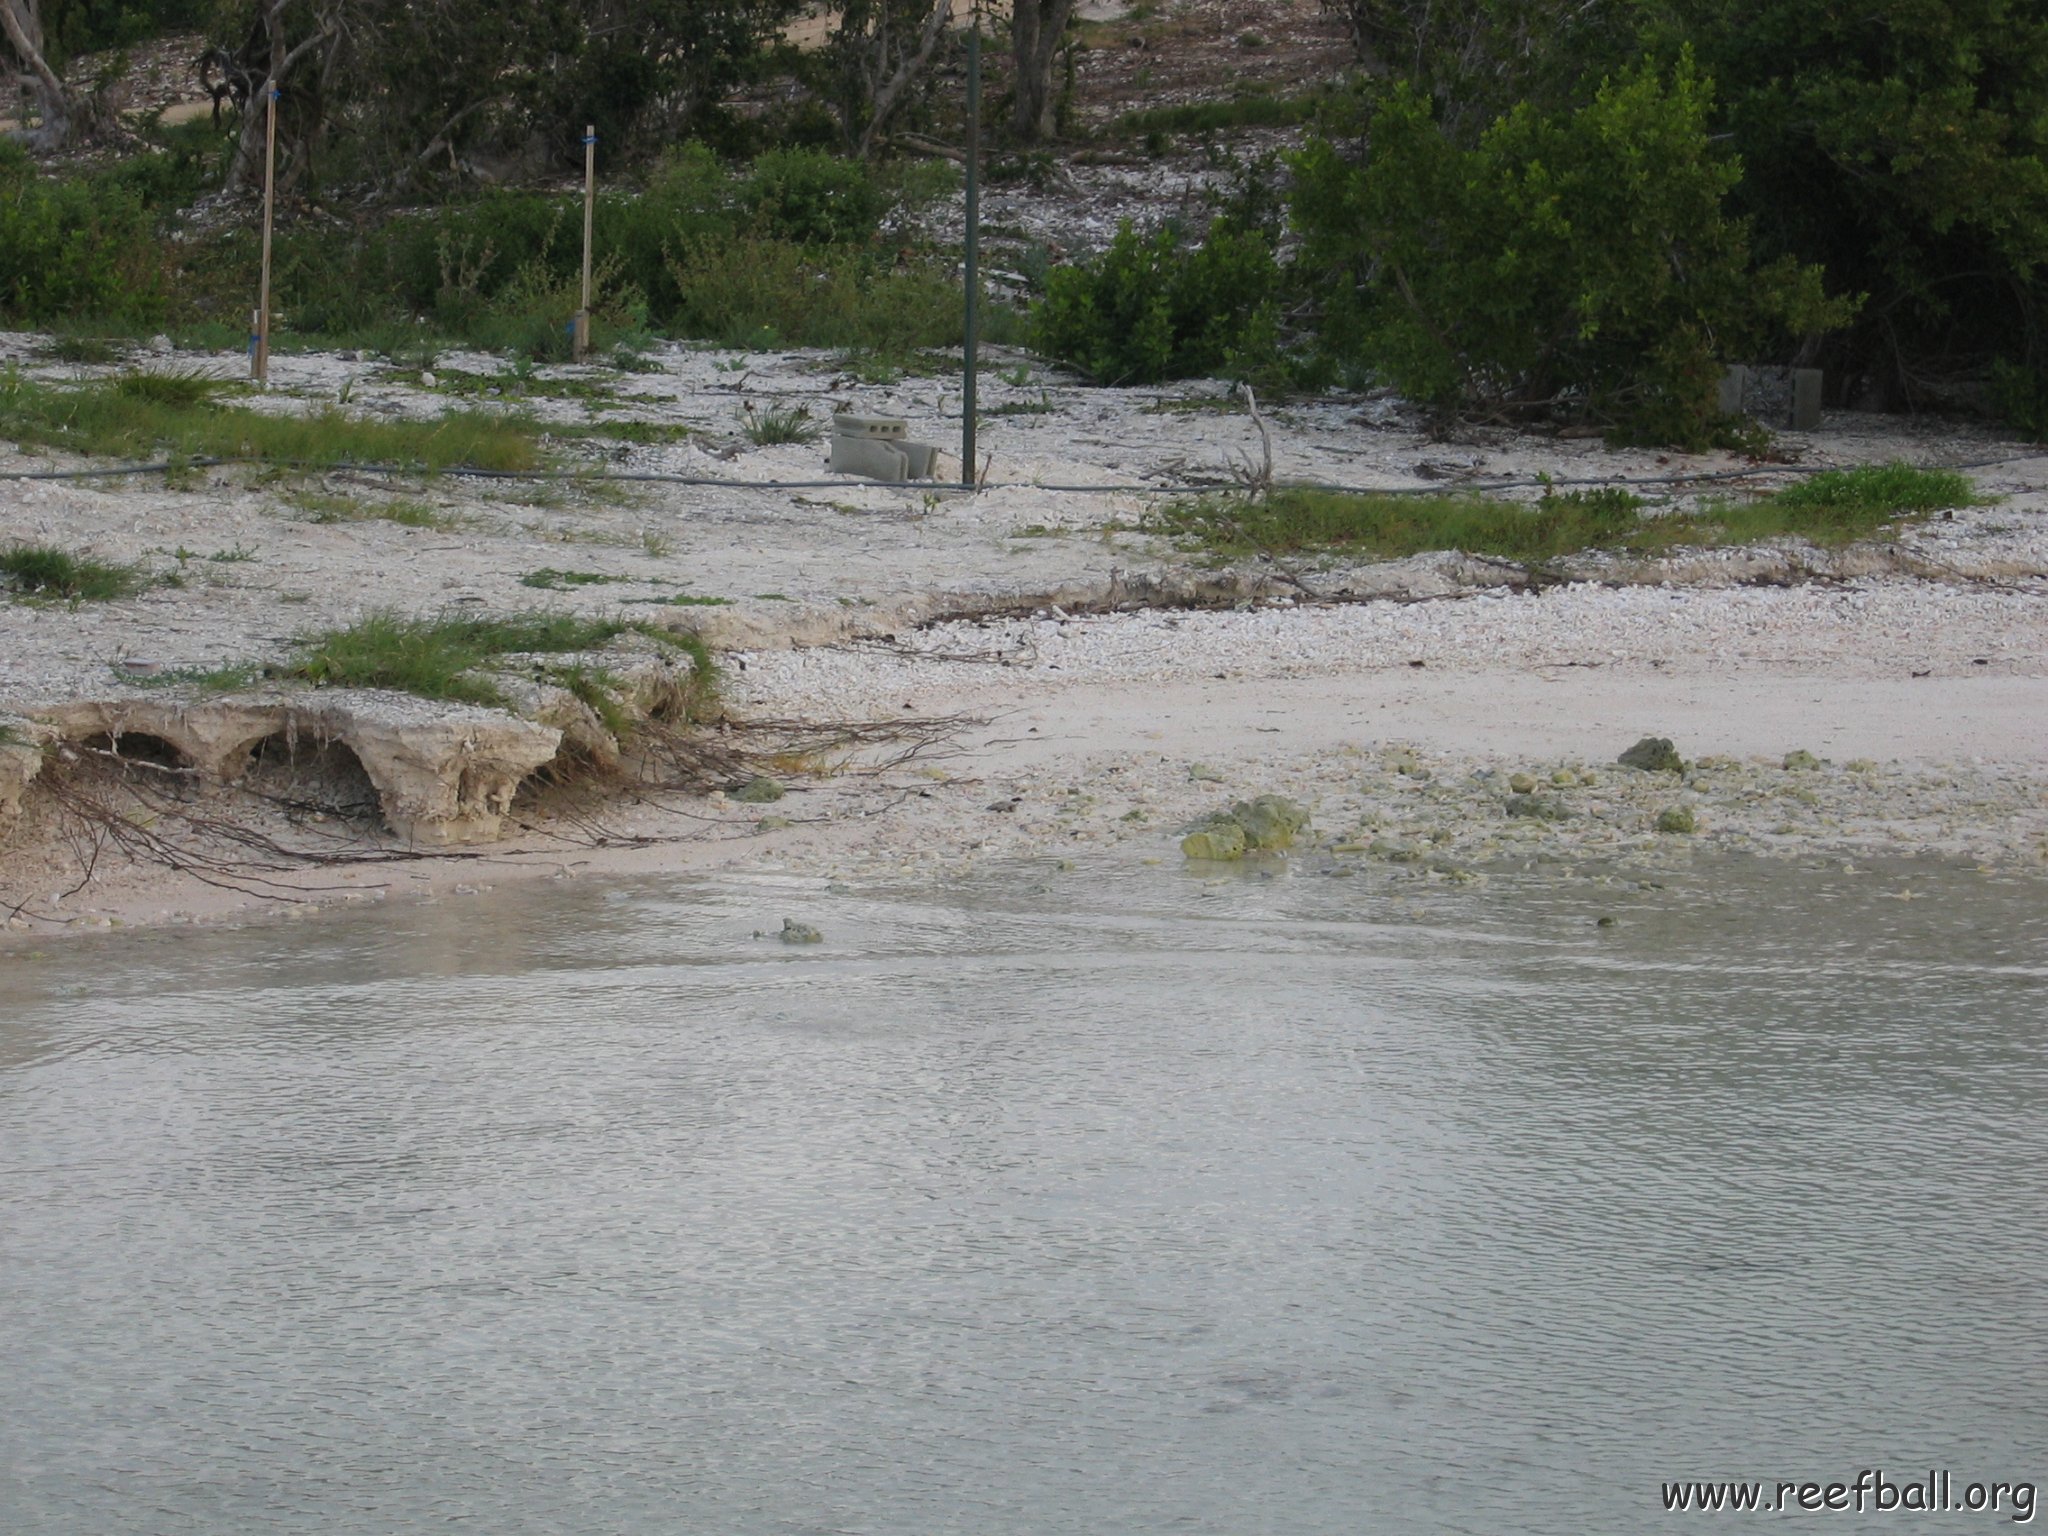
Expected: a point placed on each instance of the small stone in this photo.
(1678, 819)
(1653, 754)
(1202, 773)
(1564, 778)
(428, 381)
(1800, 761)
(761, 791)
(1522, 784)
(794, 932)
(161, 346)
(1605, 922)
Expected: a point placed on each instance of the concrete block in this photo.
(877, 448)
(1805, 399)
(1776, 397)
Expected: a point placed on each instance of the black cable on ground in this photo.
(649, 477)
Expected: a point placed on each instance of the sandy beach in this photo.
(1083, 685)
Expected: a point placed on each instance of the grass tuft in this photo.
(43, 570)
(780, 424)
(176, 390)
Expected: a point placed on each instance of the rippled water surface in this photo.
(1091, 1202)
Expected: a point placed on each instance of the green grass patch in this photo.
(43, 570)
(1836, 507)
(548, 579)
(438, 658)
(147, 415)
(331, 507)
(1841, 504)
(1390, 527)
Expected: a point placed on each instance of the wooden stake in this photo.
(589, 203)
(260, 363)
(971, 277)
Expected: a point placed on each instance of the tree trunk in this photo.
(60, 109)
(1036, 27)
(889, 94)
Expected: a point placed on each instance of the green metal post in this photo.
(972, 338)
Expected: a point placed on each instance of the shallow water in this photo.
(1105, 1201)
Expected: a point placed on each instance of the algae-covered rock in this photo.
(1218, 838)
(1522, 784)
(1678, 819)
(758, 792)
(1537, 808)
(1564, 778)
(794, 932)
(1801, 760)
(1271, 821)
(1266, 824)
(1653, 754)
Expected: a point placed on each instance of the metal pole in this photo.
(260, 364)
(589, 201)
(972, 338)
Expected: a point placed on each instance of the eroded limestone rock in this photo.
(21, 759)
(444, 773)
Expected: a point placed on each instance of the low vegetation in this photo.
(450, 658)
(780, 424)
(43, 570)
(1835, 507)
(331, 507)
(143, 416)
(548, 579)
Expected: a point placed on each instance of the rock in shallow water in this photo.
(1268, 823)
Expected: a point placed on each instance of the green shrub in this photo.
(70, 248)
(1577, 263)
(1150, 309)
(812, 198)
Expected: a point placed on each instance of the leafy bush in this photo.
(757, 291)
(1150, 309)
(1578, 262)
(812, 198)
(84, 247)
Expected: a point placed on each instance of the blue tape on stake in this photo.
(590, 138)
